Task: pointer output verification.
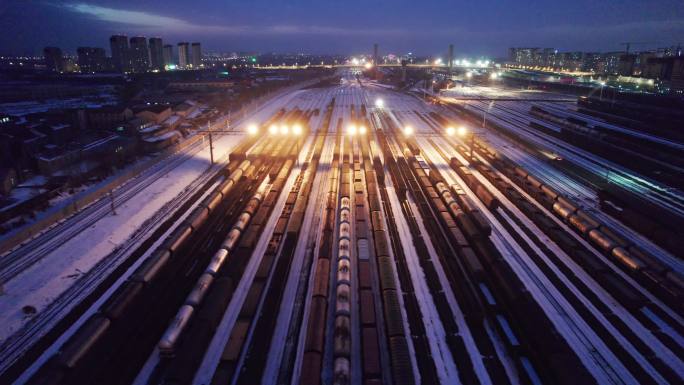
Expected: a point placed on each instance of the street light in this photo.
(252, 129)
(450, 131)
(351, 130)
(484, 116)
(284, 129)
(603, 84)
(273, 129)
(408, 131)
(362, 130)
(379, 103)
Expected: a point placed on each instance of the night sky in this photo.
(484, 27)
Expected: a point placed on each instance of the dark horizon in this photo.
(488, 28)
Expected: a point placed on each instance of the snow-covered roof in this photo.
(171, 119)
(149, 129)
(161, 137)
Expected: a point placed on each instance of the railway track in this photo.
(360, 254)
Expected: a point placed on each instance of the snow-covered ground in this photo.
(47, 279)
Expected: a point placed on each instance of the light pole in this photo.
(211, 142)
(484, 116)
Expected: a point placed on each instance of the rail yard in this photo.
(355, 234)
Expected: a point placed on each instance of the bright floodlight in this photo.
(252, 129)
(493, 76)
(379, 103)
(462, 131)
(351, 130)
(408, 130)
(273, 129)
(450, 131)
(297, 129)
(355, 61)
(362, 130)
(368, 66)
(284, 129)
(469, 74)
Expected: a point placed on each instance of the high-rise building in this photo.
(91, 59)
(626, 65)
(156, 53)
(53, 59)
(168, 54)
(183, 54)
(139, 54)
(591, 61)
(196, 58)
(524, 56)
(119, 47)
(548, 57)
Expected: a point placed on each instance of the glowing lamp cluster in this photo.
(353, 130)
(460, 131)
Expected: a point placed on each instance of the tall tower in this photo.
(156, 53)
(168, 54)
(53, 59)
(451, 57)
(140, 55)
(196, 55)
(376, 61)
(183, 54)
(119, 46)
(91, 59)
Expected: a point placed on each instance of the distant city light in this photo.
(408, 130)
(351, 130)
(379, 103)
(273, 129)
(462, 131)
(297, 129)
(450, 131)
(284, 129)
(362, 130)
(252, 129)
(368, 66)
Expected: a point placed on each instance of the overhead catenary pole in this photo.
(111, 201)
(211, 142)
(211, 148)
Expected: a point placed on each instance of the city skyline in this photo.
(485, 29)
